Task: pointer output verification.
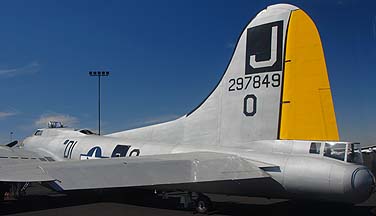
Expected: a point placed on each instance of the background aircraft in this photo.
(268, 129)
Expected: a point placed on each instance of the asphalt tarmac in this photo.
(119, 202)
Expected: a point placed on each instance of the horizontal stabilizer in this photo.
(172, 169)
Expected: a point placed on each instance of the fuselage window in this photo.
(38, 133)
(335, 150)
(354, 153)
(315, 148)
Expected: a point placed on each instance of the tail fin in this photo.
(275, 87)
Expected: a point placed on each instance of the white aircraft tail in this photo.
(275, 87)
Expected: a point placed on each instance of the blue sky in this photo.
(164, 58)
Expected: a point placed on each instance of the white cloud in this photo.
(6, 114)
(31, 68)
(151, 121)
(230, 45)
(159, 119)
(67, 120)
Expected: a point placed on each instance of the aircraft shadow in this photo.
(146, 199)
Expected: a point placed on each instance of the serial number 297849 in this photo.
(257, 81)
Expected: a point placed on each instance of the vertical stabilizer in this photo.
(275, 87)
(245, 105)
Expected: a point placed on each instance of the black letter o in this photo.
(245, 105)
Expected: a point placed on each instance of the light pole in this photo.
(99, 74)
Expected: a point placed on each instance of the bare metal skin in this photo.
(296, 173)
(229, 144)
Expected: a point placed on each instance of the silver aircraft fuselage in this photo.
(256, 134)
(299, 169)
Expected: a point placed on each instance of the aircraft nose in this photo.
(362, 183)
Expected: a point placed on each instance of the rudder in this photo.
(307, 111)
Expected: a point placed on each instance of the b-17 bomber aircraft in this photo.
(268, 129)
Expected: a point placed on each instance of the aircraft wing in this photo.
(173, 171)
